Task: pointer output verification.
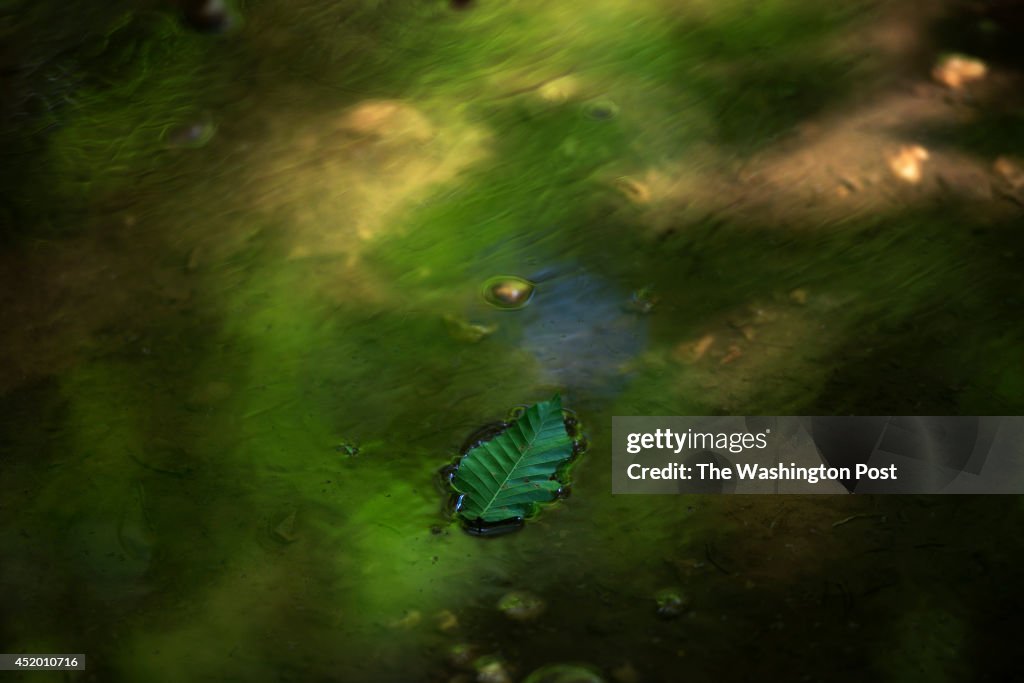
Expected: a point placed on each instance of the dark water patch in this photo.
(210, 16)
(989, 29)
(773, 70)
(993, 131)
(31, 415)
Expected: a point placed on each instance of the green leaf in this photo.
(508, 476)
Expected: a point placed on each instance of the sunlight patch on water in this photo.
(340, 180)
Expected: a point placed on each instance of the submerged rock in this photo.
(408, 620)
(465, 331)
(447, 621)
(564, 673)
(957, 71)
(1010, 171)
(521, 605)
(462, 655)
(907, 163)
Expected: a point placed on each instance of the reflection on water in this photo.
(582, 333)
(234, 367)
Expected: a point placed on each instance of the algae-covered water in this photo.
(243, 330)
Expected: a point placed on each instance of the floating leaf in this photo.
(506, 477)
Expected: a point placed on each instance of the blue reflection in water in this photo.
(580, 331)
(579, 325)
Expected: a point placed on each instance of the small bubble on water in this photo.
(508, 292)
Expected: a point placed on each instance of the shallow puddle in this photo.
(249, 311)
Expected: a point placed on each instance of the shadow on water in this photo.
(115, 462)
(966, 300)
(760, 75)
